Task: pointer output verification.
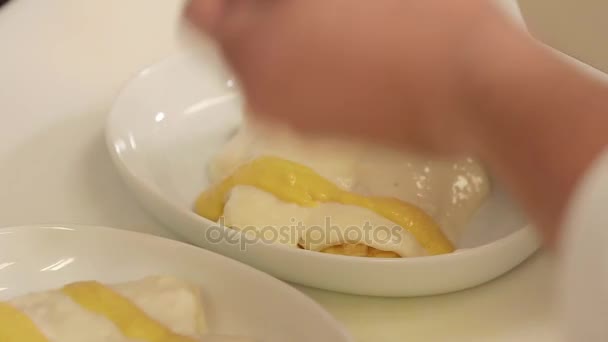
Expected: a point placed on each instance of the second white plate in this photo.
(238, 300)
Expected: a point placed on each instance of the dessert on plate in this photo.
(155, 309)
(340, 197)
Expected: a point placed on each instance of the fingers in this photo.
(236, 26)
(205, 14)
(223, 19)
(319, 78)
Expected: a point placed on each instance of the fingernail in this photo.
(205, 14)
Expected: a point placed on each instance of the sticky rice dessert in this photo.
(339, 197)
(159, 309)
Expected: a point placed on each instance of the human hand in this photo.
(392, 71)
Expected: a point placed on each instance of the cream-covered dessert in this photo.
(341, 197)
(155, 309)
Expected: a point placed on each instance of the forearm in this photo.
(542, 123)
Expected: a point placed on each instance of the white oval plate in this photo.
(170, 119)
(239, 300)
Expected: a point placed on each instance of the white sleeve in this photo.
(583, 288)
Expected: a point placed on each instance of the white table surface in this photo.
(61, 64)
